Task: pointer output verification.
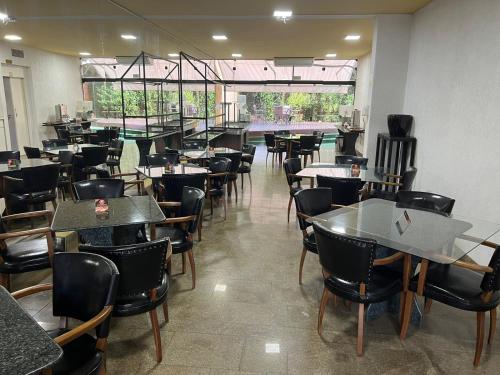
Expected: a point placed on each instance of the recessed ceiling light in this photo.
(283, 15)
(4, 17)
(352, 37)
(220, 287)
(173, 54)
(272, 347)
(236, 55)
(331, 55)
(12, 37)
(129, 36)
(85, 54)
(219, 37)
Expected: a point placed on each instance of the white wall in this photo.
(453, 90)
(390, 51)
(362, 98)
(50, 79)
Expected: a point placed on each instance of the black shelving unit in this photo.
(395, 154)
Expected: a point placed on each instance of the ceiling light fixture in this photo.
(219, 37)
(236, 55)
(352, 37)
(173, 54)
(283, 15)
(85, 54)
(331, 55)
(128, 37)
(12, 37)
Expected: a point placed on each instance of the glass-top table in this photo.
(80, 215)
(26, 347)
(158, 172)
(367, 174)
(27, 163)
(429, 235)
(71, 147)
(207, 154)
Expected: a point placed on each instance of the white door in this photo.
(16, 113)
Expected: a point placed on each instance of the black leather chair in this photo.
(232, 177)
(184, 225)
(160, 160)
(404, 183)
(425, 201)
(351, 159)
(306, 147)
(292, 167)
(465, 286)
(27, 255)
(6, 155)
(309, 203)
(319, 140)
(53, 143)
(246, 162)
(217, 181)
(66, 158)
(144, 291)
(345, 191)
(103, 137)
(84, 288)
(114, 155)
(32, 152)
(37, 186)
(63, 134)
(273, 148)
(92, 158)
(172, 186)
(111, 188)
(352, 273)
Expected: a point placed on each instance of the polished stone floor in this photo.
(249, 315)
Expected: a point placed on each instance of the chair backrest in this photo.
(219, 165)
(175, 183)
(106, 135)
(40, 178)
(407, 178)
(86, 125)
(160, 160)
(63, 134)
(141, 266)
(93, 156)
(83, 285)
(346, 257)
(420, 200)
(292, 166)
(319, 136)
(235, 158)
(270, 140)
(345, 191)
(6, 155)
(191, 204)
(51, 143)
(66, 157)
(307, 142)
(312, 202)
(351, 159)
(32, 152)
(99, 188)
(249, 149)
(118, 145)
(491, 281)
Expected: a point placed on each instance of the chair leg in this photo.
(119, 169)
(289, 207)
(305, 160)
(241, 176)
(427, 305)
(211, 205)
(267, 157)
(165, 311)
(169, 266)
(406, 315)
(319, 156)
(322, 305)
(493, 325)
(156, 334)
(200, 225)
(312, 157)
(183, 263)
(250, 179)
(235, 191)
(193, 268)
(479, 337)
(361, 327)
(302, 257)
(224, 203)
(54, 203)
(5, 280)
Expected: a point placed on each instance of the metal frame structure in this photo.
(205, 80)
(160, 128)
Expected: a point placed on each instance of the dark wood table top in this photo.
(79, 215)
(25, 347)
(28, 163)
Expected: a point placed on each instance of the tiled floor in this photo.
(264, 322)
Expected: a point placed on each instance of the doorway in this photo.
(16, 113)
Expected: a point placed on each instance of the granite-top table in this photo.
(25, 348)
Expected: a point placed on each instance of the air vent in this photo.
(293, 61)
(18, 53)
